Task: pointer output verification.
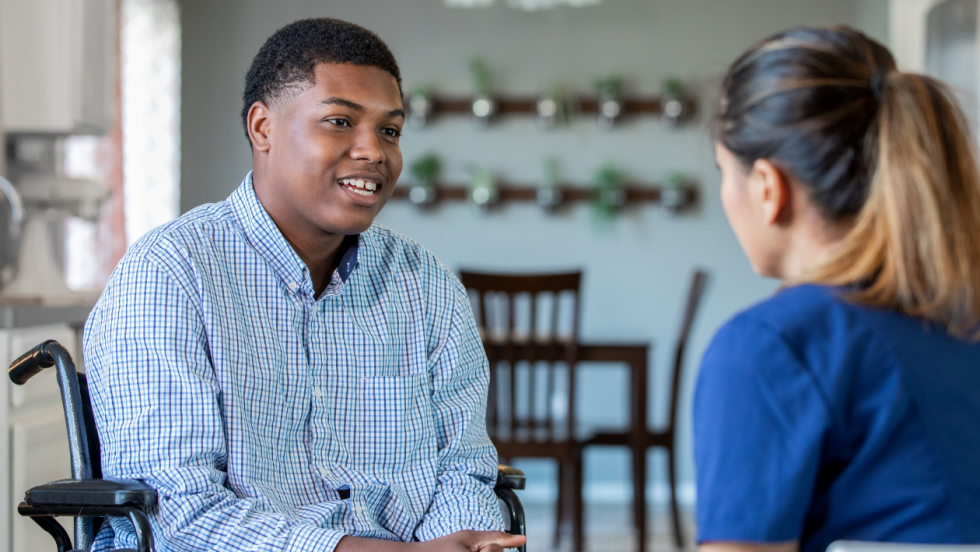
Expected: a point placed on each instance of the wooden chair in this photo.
(530, 349)
(666, 436)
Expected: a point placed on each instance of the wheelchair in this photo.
(89, 498)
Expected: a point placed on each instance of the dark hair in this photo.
(803, 100)
(890, 151)
(289, 56)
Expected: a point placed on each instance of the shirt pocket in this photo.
(385, 334)
(393, 423)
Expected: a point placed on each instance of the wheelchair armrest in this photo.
(91, 498)
(510, 478)
(92, 493)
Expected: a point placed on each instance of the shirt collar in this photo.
(348, 262)
(263, 234)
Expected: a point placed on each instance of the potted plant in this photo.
(608, 194)
(674, 194)
(555, 107)
(425, 172)
(610, 103)
(484, 106)
(672, 101)
(483, 193)
(549, 195)
(419, 107)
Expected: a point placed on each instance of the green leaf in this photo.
(482, 78)
(609, 86)
(426, 169)
(607, 182)
(672, 87)
(675, 179)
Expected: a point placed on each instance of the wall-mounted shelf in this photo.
(528, 105)
(550, 111)
(674, 198)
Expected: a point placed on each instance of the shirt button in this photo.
(293, 286)
(317, 393)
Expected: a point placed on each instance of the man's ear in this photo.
(258, 126)
(771, 192)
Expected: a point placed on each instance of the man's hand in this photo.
(473, 541)
(788, 546)
(460, 541)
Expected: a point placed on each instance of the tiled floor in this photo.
(608, 528)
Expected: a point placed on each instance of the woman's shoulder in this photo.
(802, 313)
(812, 328)
(798, 304)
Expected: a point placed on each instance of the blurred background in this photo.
(546, 136)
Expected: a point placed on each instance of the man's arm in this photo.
(464, 497)
(156, 402)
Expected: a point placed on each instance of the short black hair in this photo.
(289, 56)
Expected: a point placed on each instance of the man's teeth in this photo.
(363, 187)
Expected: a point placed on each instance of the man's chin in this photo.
(350, 228)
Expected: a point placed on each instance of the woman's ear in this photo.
(258, 126)
(770, 191)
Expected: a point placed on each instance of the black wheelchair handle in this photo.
(51, 353)
(30, 363)
(24, 368)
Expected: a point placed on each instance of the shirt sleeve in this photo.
(464, 497)
(156, 403)
(759, 427)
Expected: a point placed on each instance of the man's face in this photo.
(333, 156)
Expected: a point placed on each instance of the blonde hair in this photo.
(915, 246)
(890, 151)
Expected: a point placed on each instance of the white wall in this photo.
(637, 270)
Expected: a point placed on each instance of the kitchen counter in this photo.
(23, 315)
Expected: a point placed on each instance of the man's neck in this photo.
(320, 252)
(322, 257)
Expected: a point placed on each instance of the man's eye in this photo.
(393, 132)
(339, 122)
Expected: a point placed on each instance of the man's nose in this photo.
(367, 147)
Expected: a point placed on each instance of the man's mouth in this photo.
(361, 187)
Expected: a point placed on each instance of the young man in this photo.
(287, 375)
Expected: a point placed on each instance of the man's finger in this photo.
(504, 540)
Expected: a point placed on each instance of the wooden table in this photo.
(636, 356)
(638, 437)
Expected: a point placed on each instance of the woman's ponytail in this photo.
(915, 246)
(887, 151)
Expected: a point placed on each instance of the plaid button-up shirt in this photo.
(248, 404)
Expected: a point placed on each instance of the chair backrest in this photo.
(529, 325)
(699, 281)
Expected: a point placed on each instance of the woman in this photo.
(847, 406)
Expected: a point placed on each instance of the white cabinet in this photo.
(58, 63)
(942, 39)
(34, 440)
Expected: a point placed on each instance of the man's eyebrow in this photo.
(358, 107)
(340, 101)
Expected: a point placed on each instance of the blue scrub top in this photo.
(817, 419)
